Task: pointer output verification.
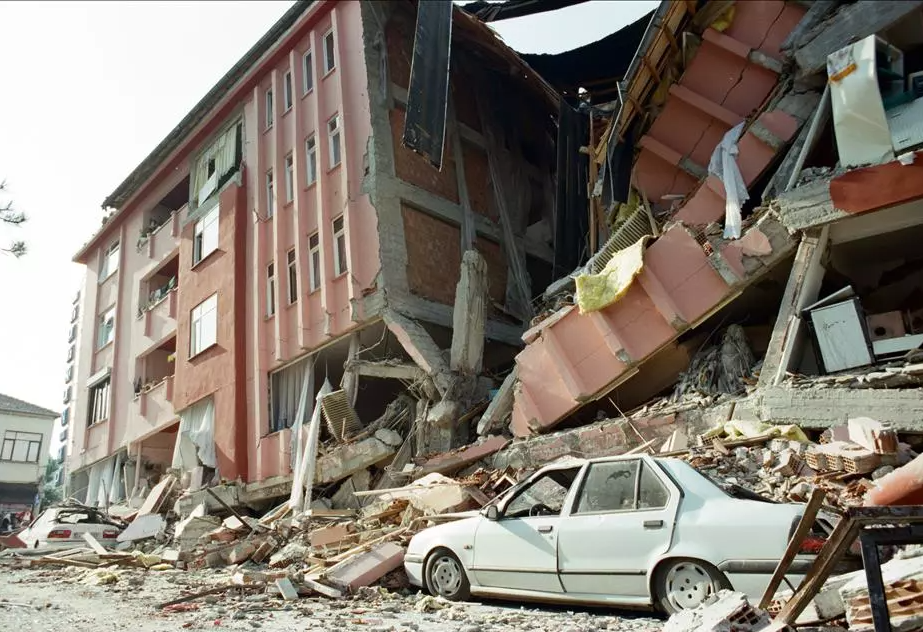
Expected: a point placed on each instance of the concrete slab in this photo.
(143, 527)
(447, 463)
(367, 568)
(346, 460)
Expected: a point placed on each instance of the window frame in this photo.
(111, 254)
(518, 493)
(339, 250)
(198, 342)
(330, 57)
(310, 152)
(271, 289)
(314, 262)
(640, 466)
(12, 438)
(270, 193)
(101, 319)
(99, 394)
(202, 232)
(289, 163)
(270, 117)
(307, 72)
(292, 266)
(334, 131)
(288, 91)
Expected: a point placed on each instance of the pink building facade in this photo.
(266, 236)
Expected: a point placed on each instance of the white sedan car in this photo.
(63, 528)
(623, 531)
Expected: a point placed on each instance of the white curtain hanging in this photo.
(304, 478)
(195, 441)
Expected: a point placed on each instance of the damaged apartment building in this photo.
(748, 255)
(385, 242)
(337, 235)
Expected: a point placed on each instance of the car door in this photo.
(620, 521)
(519, 550)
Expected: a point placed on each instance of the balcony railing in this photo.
(154, 407)
(160, 318)
(163, 239)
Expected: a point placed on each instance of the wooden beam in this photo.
(819, 10)
(850, 24)
(801, 532)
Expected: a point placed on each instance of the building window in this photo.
(23, 447)
(65, 417)
(271, 289)
(292, 278)
(333, 139)
(287, 90)
(339, 246)
(75, 313)
(110, 262)
(99, 402)
(307, 71)
(314, 261)
(67, 395)
(289, 178)
(70, 374)
(106, 333)
(270, 194)
(205, 238)
(72, 336)
(310, 150)
(204, 330)
(269, 112)
(330, 60)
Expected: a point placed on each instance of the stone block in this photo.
(240, 553)
(347, 459)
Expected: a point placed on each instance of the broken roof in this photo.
(14, 406)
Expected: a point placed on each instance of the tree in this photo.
(8, 215)
(51, 491)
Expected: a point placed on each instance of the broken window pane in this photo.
(609, 487)
(544, 496)
(652, 494)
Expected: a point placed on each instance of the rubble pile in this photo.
(903, 374)
(780, 462)
(324, 552)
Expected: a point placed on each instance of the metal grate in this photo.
(634, 228)
(342, 420)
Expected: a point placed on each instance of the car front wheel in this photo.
(685, 584)
(446, 577)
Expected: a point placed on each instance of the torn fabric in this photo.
(597, 291)
(723, 165)
(195, 441)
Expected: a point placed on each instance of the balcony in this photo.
(160, 318)
(163, 239)
(152, 408)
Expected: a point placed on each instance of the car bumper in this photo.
(413, 566)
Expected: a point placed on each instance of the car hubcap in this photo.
(446, 576)
(688, 585)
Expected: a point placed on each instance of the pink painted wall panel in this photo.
(713, 73)
(756, 83)
(637, 322)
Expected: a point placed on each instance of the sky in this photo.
(88, 90)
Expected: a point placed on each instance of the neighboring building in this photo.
(25, 437)
(282, 229)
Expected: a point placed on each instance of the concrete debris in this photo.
(725, 611)
(903, 584)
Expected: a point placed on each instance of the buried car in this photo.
(63, 527)
(633, 531)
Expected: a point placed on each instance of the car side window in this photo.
(544, 496)
(652, 493)
(609, 486)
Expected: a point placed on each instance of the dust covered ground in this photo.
(61, 600)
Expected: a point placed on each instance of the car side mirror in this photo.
(492, 513)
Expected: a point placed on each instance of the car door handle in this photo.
(653, 524)
(545, 528)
